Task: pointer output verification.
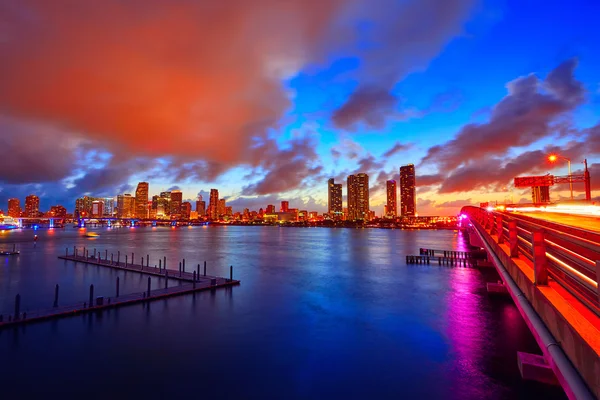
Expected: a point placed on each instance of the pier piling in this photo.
(118, 257)
(179, 268)
(204, 268)
(17, 306)
(194, 281)
(125, 259)
(198, 272)
(148, 287)
(165, 262)
(183, 267)
(118, 286)
(147, 260)
(231, 273)
(56, 295)
(91, 295)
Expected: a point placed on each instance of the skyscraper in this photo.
(392, 208)
(351, 197)
(14, 208)
(163, 208)
(109, 206)
(408, 198)
(32, 206)
(176, 200)
(141, 200)
(200, 207)
(285, 206)
(125, 206)
(358, 197)
(97, 208)
(186, 209)
(270, 209)
(213, 205)
(334, 198)
(222, 207)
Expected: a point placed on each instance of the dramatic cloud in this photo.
(285, 169)
(370, 105)
(153, 78)
(31, 153)
(494, 174)
(524, 116)
(397, 148)
(414, 33)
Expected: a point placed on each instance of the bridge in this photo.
(551, 270)
(52, 222)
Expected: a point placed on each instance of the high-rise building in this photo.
(201, 208)
(222, 207)
(358, 197)
(14, 208)
(97, 208)
(58, 211)
(334, 199)
(109, 206)
(270, 209)
(285, 206)
(186, 210)
(32, 206)
(125, 206)
(213, 205)
(408, 198)
(83, 207)
(163, 207)
(392, 196)
(141, 200)
(176, 200)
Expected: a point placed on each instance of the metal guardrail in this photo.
(570, 256)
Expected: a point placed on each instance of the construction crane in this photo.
(541, 184)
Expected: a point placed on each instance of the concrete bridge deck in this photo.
(552, 272)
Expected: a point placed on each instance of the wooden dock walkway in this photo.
(105, 303)
(194, 282)
(181, 274)
(446, 261)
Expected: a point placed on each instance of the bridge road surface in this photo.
(589, 223)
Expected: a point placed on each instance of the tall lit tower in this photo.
(32, 206)
(334, 198)
(358, 197)
(176, 200)
(141, 200)
(408, 198)
(14, 208)
(285, 206)
(392, 208)
(362, 195)
(352, 205)
(213, 205)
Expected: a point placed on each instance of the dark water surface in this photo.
(320, 314)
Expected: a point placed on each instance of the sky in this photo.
(266, 100)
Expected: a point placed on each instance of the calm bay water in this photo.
(320, 313)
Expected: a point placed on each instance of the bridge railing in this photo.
(568, 255)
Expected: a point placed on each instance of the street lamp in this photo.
(554, 158)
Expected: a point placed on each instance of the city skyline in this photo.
(313, 104)
(171, 204)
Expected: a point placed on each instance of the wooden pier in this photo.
(445, 261)
(158, 270)
(194, 282)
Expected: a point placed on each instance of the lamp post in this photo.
(553, 158)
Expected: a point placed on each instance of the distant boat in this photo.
(91, 235)
(8, 223)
